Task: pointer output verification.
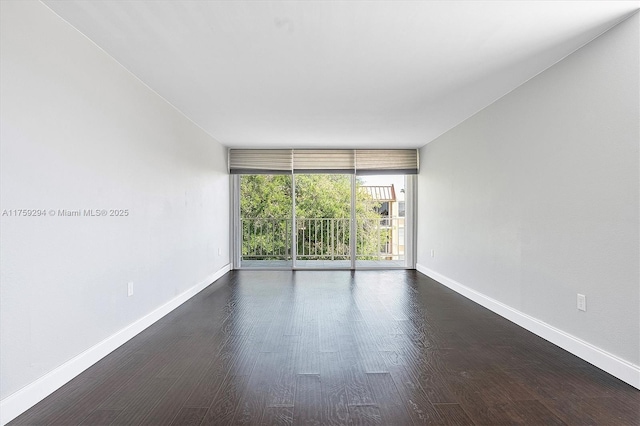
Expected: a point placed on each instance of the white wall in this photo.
(536, 198)
(80, 132)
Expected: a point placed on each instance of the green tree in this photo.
(323, 212)
(265, 212)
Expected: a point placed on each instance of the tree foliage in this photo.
(323, 213)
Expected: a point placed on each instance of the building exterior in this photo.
(390, 204)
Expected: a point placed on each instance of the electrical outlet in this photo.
(582, 302)
(130, 288)
(219, 252)
(433, 253)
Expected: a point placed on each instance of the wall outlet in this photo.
(433, 253)
(582, 302)
(219, 252)
(130, 288)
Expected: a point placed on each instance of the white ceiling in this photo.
(352, 74)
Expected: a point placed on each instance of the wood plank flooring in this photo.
(337, 348)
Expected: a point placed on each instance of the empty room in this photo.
(319, 212)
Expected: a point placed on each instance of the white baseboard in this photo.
(20, 401)
(613, 365)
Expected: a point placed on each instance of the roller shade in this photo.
(323, 161)
(386, 161)
(260, 161)
(359, 161)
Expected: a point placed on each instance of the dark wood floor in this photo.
(336, 348)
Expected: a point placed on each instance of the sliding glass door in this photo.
(265, 223)
(314, 221)
(323, 220)
(381, 221)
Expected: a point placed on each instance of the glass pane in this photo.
(380, 221)
(323, 220)
(265, 221)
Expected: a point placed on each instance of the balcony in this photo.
(322, 242)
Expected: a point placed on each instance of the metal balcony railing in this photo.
(380, 239)
(322, 238)
(266, 239)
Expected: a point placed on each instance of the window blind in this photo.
(386, 161)
(323, 161)
(359, 161)
(260, 161)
